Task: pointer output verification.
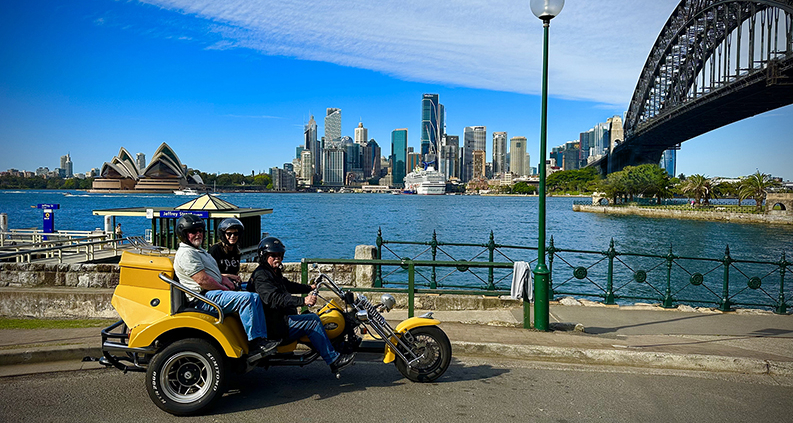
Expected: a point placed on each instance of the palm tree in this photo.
(699, 187)
(756, 186)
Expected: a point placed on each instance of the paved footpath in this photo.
(635, 336)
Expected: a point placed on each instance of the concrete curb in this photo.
(48, 354)
(659, 360)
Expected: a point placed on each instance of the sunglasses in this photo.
(232, 234)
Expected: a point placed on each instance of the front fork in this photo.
(401, 337)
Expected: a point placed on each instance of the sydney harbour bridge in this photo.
(715, 62)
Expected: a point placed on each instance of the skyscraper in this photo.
(361, 135)
(669, 160)
(474, 138)
(517, 155)
(499, 152)
(449, 161)
(430, 125)
(140, 161)
(371, 160)
(312, 145)
(307, 168)
(479, 161)
(66, 166)
(332, 125)
(399, 152)
(333, 165)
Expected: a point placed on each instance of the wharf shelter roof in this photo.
(215, 207)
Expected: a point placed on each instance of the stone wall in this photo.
(782, 219)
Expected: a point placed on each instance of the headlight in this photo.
(388, 301)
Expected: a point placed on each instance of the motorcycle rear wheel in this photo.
(433, 343)
(186, 377)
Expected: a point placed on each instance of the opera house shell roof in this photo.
(165, 173)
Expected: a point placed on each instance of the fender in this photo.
(405, 326)
(229, 335)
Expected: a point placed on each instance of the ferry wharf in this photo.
(639, 336)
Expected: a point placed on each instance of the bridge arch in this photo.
(708, 45)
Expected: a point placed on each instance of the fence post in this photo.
(551, 252)
(434, 245)
(611, 253)
(303, 271)
(781, 308)
(725, 295)
(491, 246)
(378, 280)
(411, 287)
(670, 258)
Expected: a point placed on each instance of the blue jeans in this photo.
(311, 326)
(247, 305)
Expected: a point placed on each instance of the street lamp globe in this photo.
(546, 9)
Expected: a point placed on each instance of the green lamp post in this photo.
(545, 10)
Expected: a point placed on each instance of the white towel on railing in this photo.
(521, 279)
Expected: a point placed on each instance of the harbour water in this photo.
(331, 225)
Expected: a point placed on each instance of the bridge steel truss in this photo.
(714, 63)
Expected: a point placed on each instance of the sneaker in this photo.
(261, 347)
(341, 362)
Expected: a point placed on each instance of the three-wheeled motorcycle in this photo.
(188, 354)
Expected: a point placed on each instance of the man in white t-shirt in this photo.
(198, 270)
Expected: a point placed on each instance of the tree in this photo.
(523, 188)
(756, 187)
(614, 185)
(698, 187)
(572, 180)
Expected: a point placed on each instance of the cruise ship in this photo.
(427, 181)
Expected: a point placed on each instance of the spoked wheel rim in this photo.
(428, 350)
(186, 377)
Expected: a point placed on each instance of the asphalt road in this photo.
(472, 390)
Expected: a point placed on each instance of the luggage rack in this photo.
(145, 247)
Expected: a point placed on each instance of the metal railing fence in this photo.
(611, 275)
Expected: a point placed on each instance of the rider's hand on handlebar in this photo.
(310, 300)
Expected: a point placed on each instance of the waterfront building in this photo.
(140, 160)
(499, 152)
(41, 171)
(307, 168)
(584, 141)
(399, 151)
(289, 166)
(517, 152)
(165, 173)
(67, 166)
(474, 138)
(430, 124)
(479, 164)
(371, 160)
(361, 135)
(333, 165)
(526, 165)
(283, 179)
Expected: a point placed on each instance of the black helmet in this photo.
(270, 245)
(227, 224)
(188, 223)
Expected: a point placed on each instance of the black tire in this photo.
(186, 377)
(433, 343)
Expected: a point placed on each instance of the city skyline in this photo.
(231, 87)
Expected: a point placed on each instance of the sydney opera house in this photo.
(164, 174)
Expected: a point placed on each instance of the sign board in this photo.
(149, 213)
(48, 206)
(49, 221)
(175, 214)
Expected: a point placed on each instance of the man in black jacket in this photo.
(280, 306)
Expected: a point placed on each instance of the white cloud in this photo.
(598, 47)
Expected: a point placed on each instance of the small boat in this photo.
(186, 191)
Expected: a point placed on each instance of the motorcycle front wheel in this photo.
(432, 345)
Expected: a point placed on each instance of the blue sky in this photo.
(229, 84)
